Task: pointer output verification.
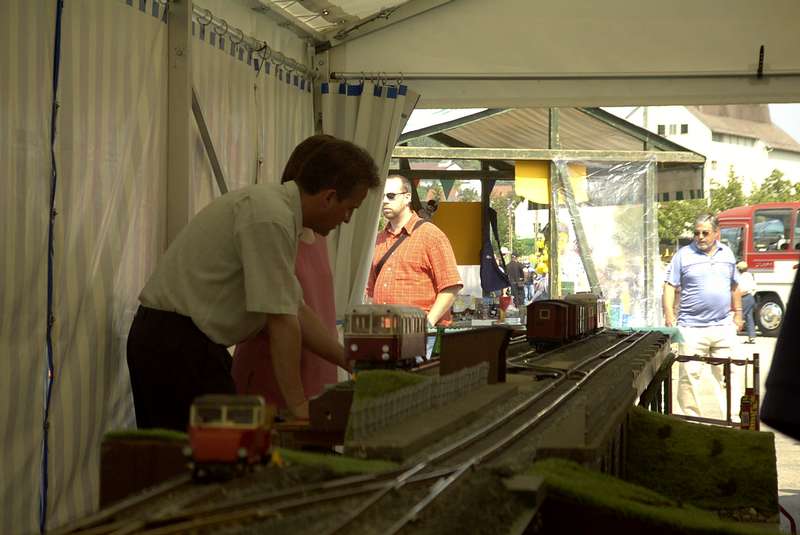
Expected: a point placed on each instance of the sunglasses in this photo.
(705, 233)
(391, 196)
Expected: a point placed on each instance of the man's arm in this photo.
(736, 305)
(668, 303)
(318, 339)
(284, 345)
(444, 300)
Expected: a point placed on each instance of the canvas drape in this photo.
(109, 231)
(372, 116)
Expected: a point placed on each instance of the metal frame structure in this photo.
(726, 363)
(183, 102)
(655, 148)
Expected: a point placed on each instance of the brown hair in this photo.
(300, 154)
(325, 162)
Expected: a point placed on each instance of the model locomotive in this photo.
(553, 322)
(227, 434)
(385, 334)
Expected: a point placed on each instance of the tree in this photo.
(466, 193)
(430, 187)
(504, 206)
(676, 218)
(775, 188)
(728, 196)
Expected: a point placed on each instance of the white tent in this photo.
(101, 161)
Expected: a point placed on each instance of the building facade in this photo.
(738, 140)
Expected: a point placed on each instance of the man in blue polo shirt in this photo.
(705, 272)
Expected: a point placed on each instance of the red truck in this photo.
(767, 237)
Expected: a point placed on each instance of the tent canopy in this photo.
(588, 134)
(518, 53)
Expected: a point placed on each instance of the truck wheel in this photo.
(769, 315)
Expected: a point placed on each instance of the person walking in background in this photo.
(516, 277)
(747, 287)
(252, 361)
(705, 272)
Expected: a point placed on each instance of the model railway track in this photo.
(524, 355)
(437, 471)
(105, 517)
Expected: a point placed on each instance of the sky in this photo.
(786, 116)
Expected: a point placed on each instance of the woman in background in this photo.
(252, 362)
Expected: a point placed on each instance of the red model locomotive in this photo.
(227, 433)
(387, 334)
(553, 322)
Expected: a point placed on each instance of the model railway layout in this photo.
(584, 385)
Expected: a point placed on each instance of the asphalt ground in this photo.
(787, 449)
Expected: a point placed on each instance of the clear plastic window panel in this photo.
(609, 230)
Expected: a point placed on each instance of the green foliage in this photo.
(432, 188)
(675, 218)
(466, 193)
(775, 188)
(524, 246)
(728, 196)
(504, 205)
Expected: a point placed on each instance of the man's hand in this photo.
(669, 319)
(737, 319)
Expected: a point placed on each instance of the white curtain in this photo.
(254, 116)
(372, 116)
(110, 226)
(111, 157)
(26, 57)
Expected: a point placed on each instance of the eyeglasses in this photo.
(391, 195)
(705, 233)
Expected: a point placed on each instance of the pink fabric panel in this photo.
(252, 362)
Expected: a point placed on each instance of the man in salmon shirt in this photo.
(421, 271)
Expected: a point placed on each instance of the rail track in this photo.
(435, 473)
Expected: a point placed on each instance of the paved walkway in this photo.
(788, 449)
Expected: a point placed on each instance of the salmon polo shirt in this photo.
(419, 269)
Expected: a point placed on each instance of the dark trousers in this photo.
(518, 293)
(749, 304)
(171, 362)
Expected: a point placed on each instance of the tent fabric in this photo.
(111, 156)
(256, 112)
(372, 116)
(26, 53)
(109, 231)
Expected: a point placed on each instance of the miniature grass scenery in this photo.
(580, 500)
(729, 471)
(166, 435)
(337, 464)
(376, 383)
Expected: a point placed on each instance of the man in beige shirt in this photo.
(228, 274)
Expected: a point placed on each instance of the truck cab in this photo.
(767, 237)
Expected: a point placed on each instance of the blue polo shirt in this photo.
(705, 282)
